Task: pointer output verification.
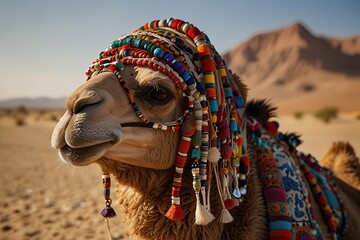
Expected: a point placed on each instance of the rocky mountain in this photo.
(39, 103)
(298, 70)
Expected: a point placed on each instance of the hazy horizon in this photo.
(46, 46)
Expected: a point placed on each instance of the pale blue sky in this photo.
(47, 45)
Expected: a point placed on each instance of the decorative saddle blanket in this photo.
(284, 172)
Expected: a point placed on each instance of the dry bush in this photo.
(298, 115)
(357, 115)
(21, 109)
(326, 114)
(53, 116)
(20, 119)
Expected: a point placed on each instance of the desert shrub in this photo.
(20, 119)
(357, 115)
(326, 114)
(298, 115)
(8, 111)
(307, 87)
(22, 110)
(53, 117)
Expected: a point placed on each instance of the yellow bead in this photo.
(196, 95)
(214, 118)
(222, 72)
(209, 78)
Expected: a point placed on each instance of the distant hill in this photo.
(40, 102)
(298, 70)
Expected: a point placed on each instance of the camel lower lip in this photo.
(84, 156)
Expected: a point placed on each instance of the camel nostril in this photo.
(88, 99)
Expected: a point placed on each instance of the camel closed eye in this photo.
(155, 95)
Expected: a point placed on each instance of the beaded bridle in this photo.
(213, 121)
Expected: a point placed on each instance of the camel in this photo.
(342, 160)
(162, 97)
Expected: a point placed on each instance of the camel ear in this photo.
(243, 88)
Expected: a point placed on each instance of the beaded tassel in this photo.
(108, 211)
(202, 216)
(175, 212)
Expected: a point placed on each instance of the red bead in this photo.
(180, 23)
(184, 146)
(245, 160)
(207, 64)
(193, 32)
(322, 200)
(113, 68)
(174, 23)
(175, 193)
(180, 161)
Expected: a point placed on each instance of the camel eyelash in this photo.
(155, 94)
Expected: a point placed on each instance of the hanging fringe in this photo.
(108, 212)
(175, 213)
(202, 216)
(108, 229)
(225, 216)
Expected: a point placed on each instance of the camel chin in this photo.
(84, 156)
(72, 146)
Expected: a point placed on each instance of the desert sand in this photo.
(44, 198)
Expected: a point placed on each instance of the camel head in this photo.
(101, 123)
(157, 98)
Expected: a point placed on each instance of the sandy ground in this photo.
(43, 198)
(318, 136)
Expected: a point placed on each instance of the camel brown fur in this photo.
(342, 160)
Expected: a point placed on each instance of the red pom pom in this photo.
(245, 160)
(229, 203)
(226, 151)
(175, 213)
(188, 128)
(272, 127)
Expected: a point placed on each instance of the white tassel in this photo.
(213, 158)
(202, 216)
(213, 155)
(225, 216)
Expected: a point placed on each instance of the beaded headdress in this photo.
(212, 125)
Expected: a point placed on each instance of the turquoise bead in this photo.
(196, 153)
(233, 126)
(136, 42)
(228, 93)
(158, 52)
(115, 44)
(213, 105)
(152, 48)
(119, 66)
(127, 40)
